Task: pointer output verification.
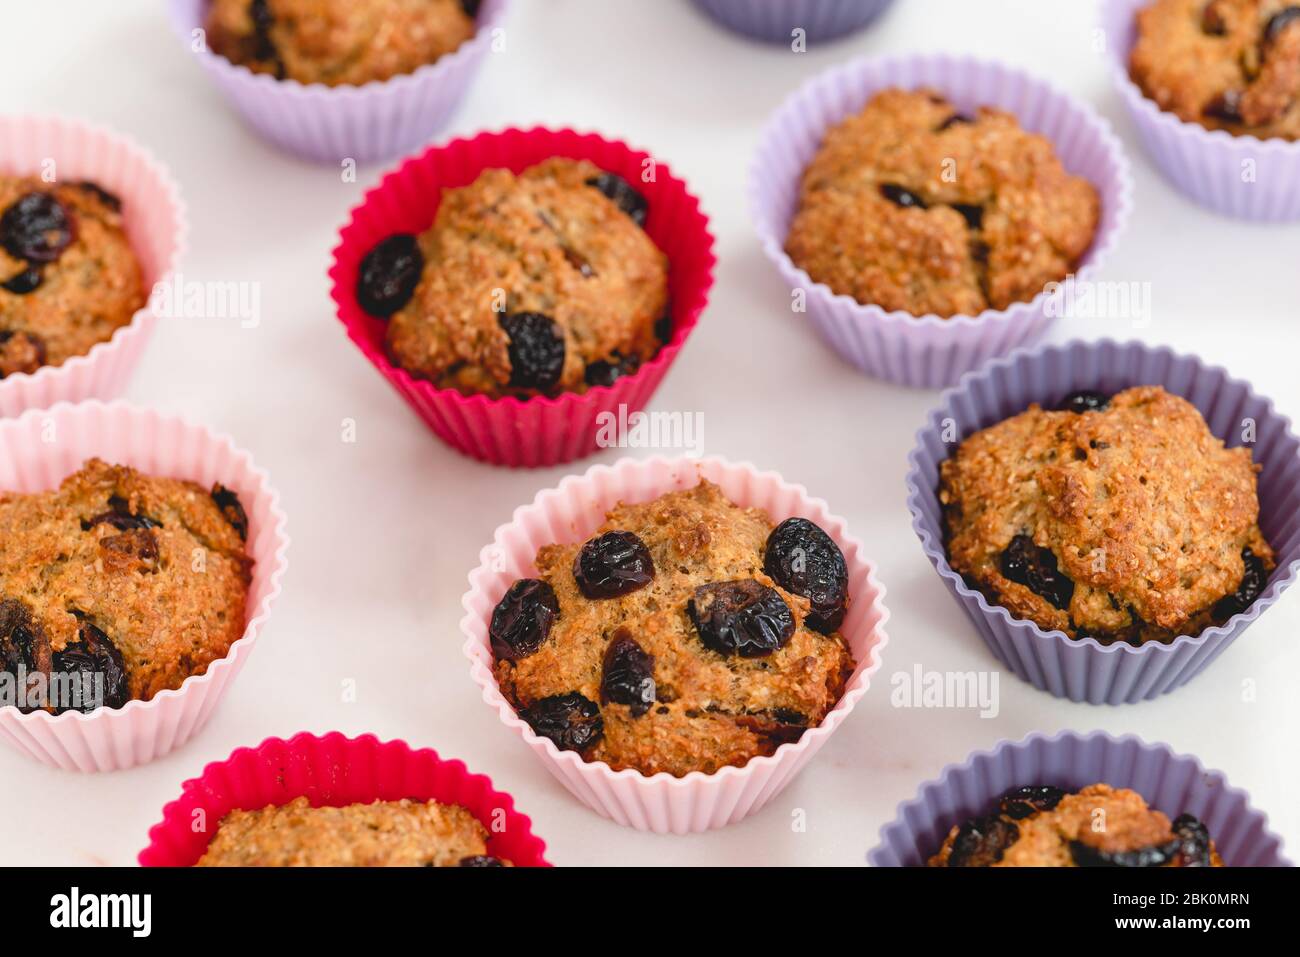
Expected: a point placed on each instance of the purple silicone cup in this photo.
(1240, 176)
(1169, 782)
(370, 123)
(773, 21)
(927, 351)
(1085, 670)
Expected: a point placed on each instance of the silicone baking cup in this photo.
(333, 771)
(774, 21)
(927, 351)
(571, 513)
(1172, 783)
(510, 431)
(37, 451)
(1085, 670)
(328, 124)
(1241, 176)
(155, 223)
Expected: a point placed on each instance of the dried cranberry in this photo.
(231, 509)
(389, 274)
(982, 841)
(902, 197)
(952, 121)
(36, 227)
(624, 196)
(136, 545)
(480, 860)
(606, 372)
(777, 726)
(741, 618)
(23, 282)
(259, 11)
(1026, 564)
(1253, 580)
(522, 619)
(570, 721)
(1158, 855)
(664, 326)
(119, 515)
(536, 350)
(1193, 842)
(1084, 400)
(1226, 107)
(1212, 22)
(93, 657)
(613, 564)
(628, 675)
(20, 352)
(111, 200)
(803, 559)
(1020, 803)
(974, 215)
(1279, 22)
(471, 7)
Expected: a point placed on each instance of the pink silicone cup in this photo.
(155, 224)
(333, 771)
(327, 124)
(928, 351)
(41, 448)
(1206, 165)
(570, 513)
(509, 431)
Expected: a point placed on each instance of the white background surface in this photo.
(386, 530)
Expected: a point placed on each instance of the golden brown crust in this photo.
(91, 289)
(1216, 64)
(337, 42)
(710, 711)
(382, 834)
(1029, 220)
(170, 598)
(540, 242)
(1143, 509)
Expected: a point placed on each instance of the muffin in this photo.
(68, 276)
(1229, 65)
(1097, 826)
(525, 285)
(1117, 518)
(116, 586)
(912, 205)
(687, 634)
(338, 42)
(382, 834)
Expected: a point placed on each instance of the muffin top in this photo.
(68, 275)
(337, 42)
(382, 834)
(685, 635)
(1229, 65)
(912, 205)
(1097, 826)
(1118, 518)
(140, 581)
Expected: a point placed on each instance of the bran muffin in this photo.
(382, 834)
(1118, 518)
(687, 634)
(68, 276)
(911, 205)
(1229, 65)
(1097, 826)
(140, 581)
(338, 42)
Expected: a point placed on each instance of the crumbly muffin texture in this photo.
(534, 284)
(912, 205)
(382, 834)
(663, 644)
(1097, 826)
(142, 580)
(68, 275)
(1229, 65)
(337, 42)
(1126, 521)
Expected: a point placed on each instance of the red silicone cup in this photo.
(333, 771)
(510, 431)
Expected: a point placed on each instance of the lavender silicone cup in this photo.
(327, 124)
(773, 21)
(927, 351)
(1241, 176)
(1173, 783)
(1084, 669)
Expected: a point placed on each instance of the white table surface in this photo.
(385, 530)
